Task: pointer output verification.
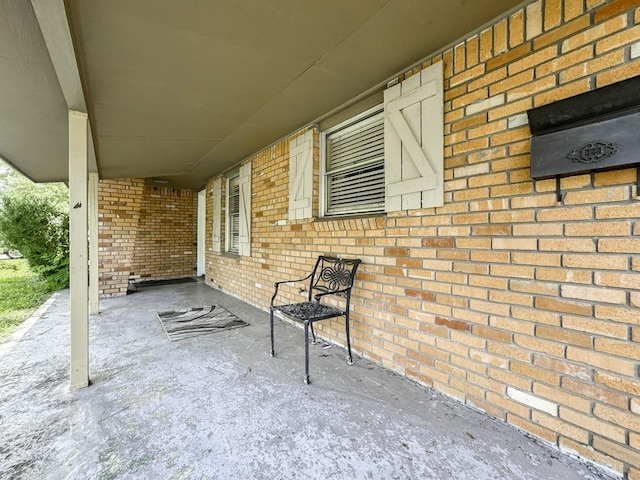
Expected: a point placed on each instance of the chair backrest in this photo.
(333, 273)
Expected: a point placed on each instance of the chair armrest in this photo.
(277, 285)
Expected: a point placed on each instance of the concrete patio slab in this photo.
(218, 407)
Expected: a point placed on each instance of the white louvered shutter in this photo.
(244, 237)
(216, 196)
(354, 177)
(414, 142)
(233, 213)
(301, 176)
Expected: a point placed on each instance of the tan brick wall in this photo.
(504, 299)
(119, 203)
(166, 240)
(145, 232)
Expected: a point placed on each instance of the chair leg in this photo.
(272, 353)
(346, 320)
(313, 335)
(306, 353)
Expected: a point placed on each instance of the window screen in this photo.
(354, 165)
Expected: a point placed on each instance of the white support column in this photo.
(94, 303)
(78, 248)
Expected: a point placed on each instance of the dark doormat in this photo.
(190, 322)
(170, 281)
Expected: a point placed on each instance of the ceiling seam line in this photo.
(312, 65)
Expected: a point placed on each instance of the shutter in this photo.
(354, 180)
(414, 142)
(244, 237)
(216, 195)
(233, 213)
(301, 176)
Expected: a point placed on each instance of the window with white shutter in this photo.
(216, 196)
(353, 165)
(233, 213)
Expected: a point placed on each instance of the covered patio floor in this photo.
(218, 407)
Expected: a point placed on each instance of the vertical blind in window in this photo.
(233, 215)
(354, 178)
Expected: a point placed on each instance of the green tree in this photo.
(34, 219)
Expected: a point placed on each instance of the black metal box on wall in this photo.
(597, 130)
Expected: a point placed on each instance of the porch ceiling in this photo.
(185, 89)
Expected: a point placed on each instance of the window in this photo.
(233, 214)
(216, 195)
(237, 212)
(353, 179)
(390, 158)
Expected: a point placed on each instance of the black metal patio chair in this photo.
(331, 276)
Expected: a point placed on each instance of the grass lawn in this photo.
(21, 293)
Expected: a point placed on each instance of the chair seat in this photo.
(302, 311)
